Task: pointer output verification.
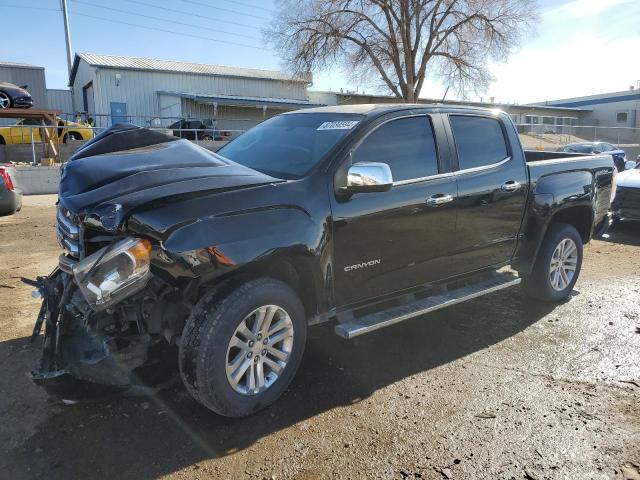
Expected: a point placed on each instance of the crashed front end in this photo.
(118, 300)
(94, 306)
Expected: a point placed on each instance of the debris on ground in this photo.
(631, 472)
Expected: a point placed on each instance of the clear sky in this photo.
(581, 47)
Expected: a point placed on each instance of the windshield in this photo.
(289, 146)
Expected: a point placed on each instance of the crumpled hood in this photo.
(126, 167)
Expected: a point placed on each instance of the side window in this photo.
(407, 145)
(479, 141)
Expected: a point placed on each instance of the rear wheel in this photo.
(5, 100)
(206, 138)
(241, 347)
(557, 266)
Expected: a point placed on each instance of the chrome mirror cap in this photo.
(369, 177)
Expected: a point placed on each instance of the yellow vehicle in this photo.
(20, 133)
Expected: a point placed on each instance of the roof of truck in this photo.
(380, 108)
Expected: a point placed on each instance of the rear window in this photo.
(479, 141)
(579, 148)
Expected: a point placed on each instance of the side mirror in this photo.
(629, 165)
(365, 177)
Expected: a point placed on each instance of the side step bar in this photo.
(384, 318)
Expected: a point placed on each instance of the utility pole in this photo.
(67, 37)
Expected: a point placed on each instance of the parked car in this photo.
(597, 148)
(202, 130)
(13, 96)
(20, 133)
(626, 202)
(10, 195)
(362, 216)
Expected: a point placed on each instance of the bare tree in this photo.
(402, 41)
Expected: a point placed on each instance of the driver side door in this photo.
(385, 242)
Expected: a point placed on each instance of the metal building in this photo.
(616, 109)
(30, 75)
(114, 89)
(60, 99)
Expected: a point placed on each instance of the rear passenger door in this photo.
(492, 187)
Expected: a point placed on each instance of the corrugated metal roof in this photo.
(149, 64)
(19, 65)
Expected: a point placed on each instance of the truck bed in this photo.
(541, 164)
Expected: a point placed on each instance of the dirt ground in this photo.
(497, 388)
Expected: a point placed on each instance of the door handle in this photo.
(510, 186)
(439, 199)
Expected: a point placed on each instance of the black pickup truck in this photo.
(362, 216)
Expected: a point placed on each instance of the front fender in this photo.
(212, 246)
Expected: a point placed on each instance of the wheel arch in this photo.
(580, 216)
(292, 271)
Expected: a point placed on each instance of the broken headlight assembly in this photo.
(113, 272)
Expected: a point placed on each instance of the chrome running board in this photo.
(374, 321)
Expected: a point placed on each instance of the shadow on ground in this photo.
(144, 438)
(625, 232)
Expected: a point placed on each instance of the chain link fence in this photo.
(20, 143)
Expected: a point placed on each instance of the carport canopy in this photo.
(244, 101)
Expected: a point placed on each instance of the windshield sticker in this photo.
(340, 125)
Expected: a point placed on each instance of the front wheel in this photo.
(241, 347)
(557, 266)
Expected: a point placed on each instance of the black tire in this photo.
(206, 138)
(206, 336)
(72, 136)
(538, 284)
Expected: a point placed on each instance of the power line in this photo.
(260, 17)
(167, 20)
(173, 32)
(182, 12)
(251, 6)
(32, 7)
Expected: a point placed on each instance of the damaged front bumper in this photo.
(83, 352)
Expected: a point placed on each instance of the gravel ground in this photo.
(497, 388)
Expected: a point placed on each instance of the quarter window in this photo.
(479, 141)
(407, 145)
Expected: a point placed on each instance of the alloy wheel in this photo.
(5, 101)
(563, 266)
(259, 350)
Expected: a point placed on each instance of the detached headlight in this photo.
(114, 272)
